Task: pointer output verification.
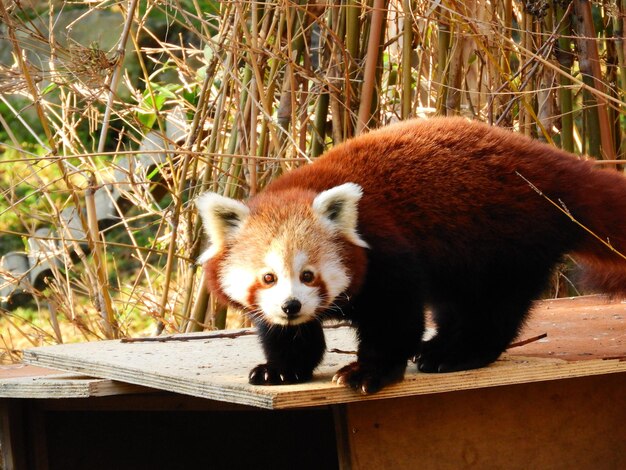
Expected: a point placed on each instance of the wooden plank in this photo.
(342, 436)
(27, 381)
(217, 367)
(11, 371)
(568, 424)
(12, 435)
(578, 328)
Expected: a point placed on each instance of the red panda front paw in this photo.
(366, 377)
(267, 374)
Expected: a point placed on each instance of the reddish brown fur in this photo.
(436, 176)
(212, 269)
(451, 221)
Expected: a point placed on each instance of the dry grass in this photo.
(254, 88)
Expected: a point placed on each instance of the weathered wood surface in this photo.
(557, 425)
(217, 367)
(25, 381)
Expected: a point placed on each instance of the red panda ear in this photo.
(222, 218)
(338, 208)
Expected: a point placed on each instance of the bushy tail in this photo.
(601, 214)
(599, 278)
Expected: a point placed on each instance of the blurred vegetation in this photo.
(263, 87)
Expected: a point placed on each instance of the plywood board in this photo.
(216, 366)
(577, 329)
(25, 381)
(565, 424)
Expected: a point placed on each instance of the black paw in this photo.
(267, 374)
(437, 358)
(367, 377)
(429, 363)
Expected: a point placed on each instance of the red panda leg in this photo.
(458, 349)
(466, 344)
(388, 314)
(292, 353)
(383, 353)
(390, 323)
(477, 323)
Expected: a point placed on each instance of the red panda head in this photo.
(286, 256)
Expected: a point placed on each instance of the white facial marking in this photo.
(236, 283)
(288, 286)
(299, 262)
(335, 277)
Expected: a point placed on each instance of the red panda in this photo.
(441, 213)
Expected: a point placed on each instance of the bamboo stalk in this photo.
(371, 63)
(117, 73)
(338, 63)
(178, 202)
(253, 99)
(407, 50)
(454, 78)
(444, 40)
(612, 83)
(546, 79)
(108, 314)
(523, 112)
(589, 60)
(352, 45)
(103, 302)
(200, 307)
(319, 126)
(618, 33)
(566, 60)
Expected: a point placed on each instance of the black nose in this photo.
(291, 306)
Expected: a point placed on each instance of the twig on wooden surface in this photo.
(528, 340)
(195, 337)
(169, 338)
(613, 358)
(341, 351)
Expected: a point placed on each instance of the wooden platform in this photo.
(25, 381)
(557, 402)
(584, 337)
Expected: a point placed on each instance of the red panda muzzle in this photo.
(291, 307)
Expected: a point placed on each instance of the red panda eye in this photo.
(307, 277)
(269, 278)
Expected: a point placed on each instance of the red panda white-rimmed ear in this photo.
(338, 208)
(222, 217)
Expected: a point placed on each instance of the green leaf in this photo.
(49, 89)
